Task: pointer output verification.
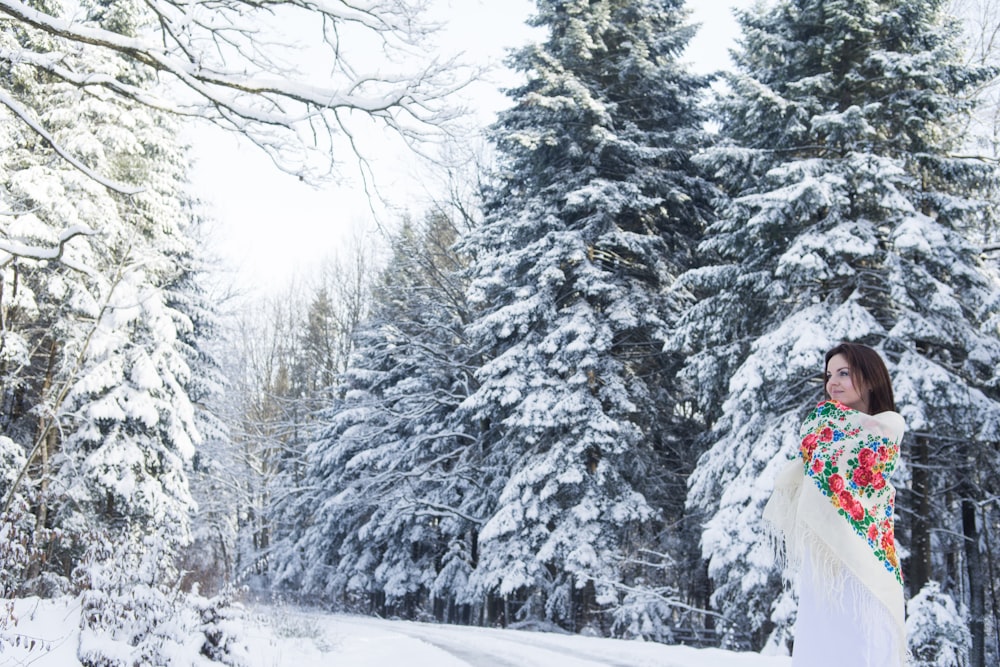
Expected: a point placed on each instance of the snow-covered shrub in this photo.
(15, 547)
(644, 614)
(219, 624)
(20, 536)
(938, 636)
(784, 611)
(132, 615)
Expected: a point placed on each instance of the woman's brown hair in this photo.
(867, 370)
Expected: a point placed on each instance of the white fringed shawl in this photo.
(836, 502)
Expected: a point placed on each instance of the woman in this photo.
(835, 504)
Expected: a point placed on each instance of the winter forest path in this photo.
(300, 638)
(45, 633)
(493, 650)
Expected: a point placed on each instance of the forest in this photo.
(555, 399)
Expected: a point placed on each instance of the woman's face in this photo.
(840, 386)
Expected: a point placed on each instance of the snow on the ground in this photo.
(283, 636)
(39, 632)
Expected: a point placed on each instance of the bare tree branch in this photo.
(225, 61)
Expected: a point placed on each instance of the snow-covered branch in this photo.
(24, 116)
(439, 510)
(227, 62)
(657, 594)
(11, 249)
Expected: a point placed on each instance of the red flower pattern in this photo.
(809, 445)
(866, 457)
(836, 483)
(852, 466)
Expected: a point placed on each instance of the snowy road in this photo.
(493, 649)
(352, 641)
(46, 634)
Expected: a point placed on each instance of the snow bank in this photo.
(45, 633)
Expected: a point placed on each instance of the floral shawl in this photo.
(836, 499)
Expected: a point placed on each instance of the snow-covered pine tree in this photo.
(38, 301)
(70, 312)
(105, 348)
(322, 339)
(207, 559)
(395, 488)
(847, 220)
(282, 359)
(596, 208)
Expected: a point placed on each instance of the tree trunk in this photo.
(703, 592)
(991, 571)
(977, 581)
(47, 440)
(920, 538)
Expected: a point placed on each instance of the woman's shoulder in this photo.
(889, 423)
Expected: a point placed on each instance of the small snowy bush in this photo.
(645, 614)
(938, 635)
(131, 615)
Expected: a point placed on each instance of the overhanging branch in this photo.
(218, 66)
(26, 118)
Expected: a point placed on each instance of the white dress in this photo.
(840, 623)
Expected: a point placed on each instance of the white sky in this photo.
(269, 228)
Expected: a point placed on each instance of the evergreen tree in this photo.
(846, 219)
(396, 491)
(595, 210)
(321, 342)
(106, 370)
(105, 351)
(318, 364)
